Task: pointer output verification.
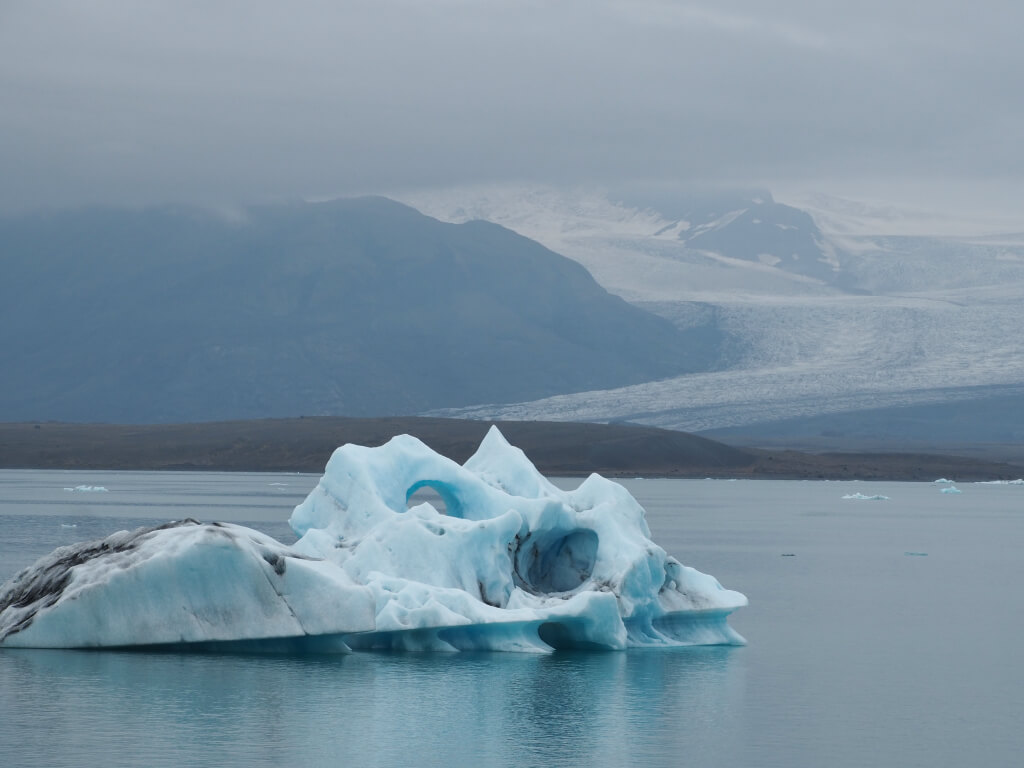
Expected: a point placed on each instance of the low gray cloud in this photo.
(221, 102)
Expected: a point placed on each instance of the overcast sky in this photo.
(226, 102)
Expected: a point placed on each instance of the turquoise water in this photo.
(880, 633)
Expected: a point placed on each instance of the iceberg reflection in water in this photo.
(515, 564)
(571, 709)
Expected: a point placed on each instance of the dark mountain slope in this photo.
(352, 307)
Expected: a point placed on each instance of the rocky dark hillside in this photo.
(556, 448)
(352, 307)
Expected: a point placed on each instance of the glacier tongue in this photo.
(514, 564)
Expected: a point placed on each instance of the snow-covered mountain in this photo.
(689, 248)
(838, 308)
(751, 227)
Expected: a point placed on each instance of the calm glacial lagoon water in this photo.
(881, 633)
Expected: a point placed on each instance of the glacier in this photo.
(512, 563)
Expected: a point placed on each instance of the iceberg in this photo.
(512, 563)
(87, 489)
(950, 489)
(863, 497)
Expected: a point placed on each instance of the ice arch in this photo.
(449, 495)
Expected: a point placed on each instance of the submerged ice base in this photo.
(514, 564)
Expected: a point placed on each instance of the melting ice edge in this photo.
(515, 564)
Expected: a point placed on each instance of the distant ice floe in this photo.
(944, 480)
(863, 497)
(1018, 481)
(515, 565)
(87, 489)
(950, 489)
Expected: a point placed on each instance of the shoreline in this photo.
(564, 449)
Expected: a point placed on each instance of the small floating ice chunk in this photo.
(863, 497)
(943, 480)
(950, 489)
(87, 489)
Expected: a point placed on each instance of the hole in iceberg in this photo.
(436, 494)
(555, 561)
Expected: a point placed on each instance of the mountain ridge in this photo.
(359, 306)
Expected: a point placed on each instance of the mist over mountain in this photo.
(351, 307)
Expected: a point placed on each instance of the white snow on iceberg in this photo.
(863, 497)
(515, 564)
